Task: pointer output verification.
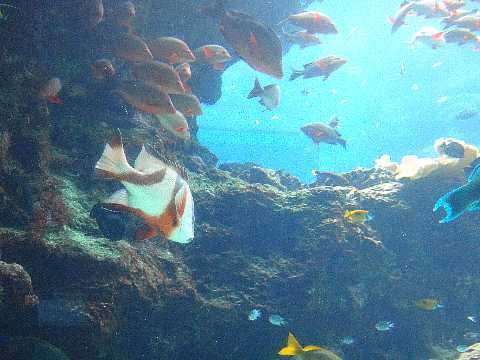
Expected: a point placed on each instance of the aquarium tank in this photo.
(239, 180)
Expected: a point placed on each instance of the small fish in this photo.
(429, 36)
(49, 91)
(467, 114)
(358, 216)
(462, 199)
(94, 11)
(277, 320)
(255, 314)
(302, 38)
(313, 22)
(214, 55)
(185, 73)
(461, 36)
(131, 47)
(171, 50)
(309, 352)
(347, 340)
(305, 92)
(187, 104)
(269, 95)
(428, 304)
(462, 348)
(384, 325)
(442, 99)
(402, 69)
(469, 21)
(470, 335)
(320, 132)
(156, 190)
(103, 69)
(473, 319)
(415, 87)
(322, 67)
(275, 117)
(159, 73)
(176, 124)
(398, 19)
(437, 64)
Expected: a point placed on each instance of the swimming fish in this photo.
(462, 199)
(255, 314)
(358, 216)
(428, 304)
(171, 50)
(384, 325)
(429, 8)
(320, 132)
(309, 352)
(103, 69)
(429, 36)
(176, 124)
(187, 104)
(146, 97)
(277, 320)
(269, 95)
(159, 73)
(462, 348)
(398, 19)
(131, 47)
(313, 22)
(185, 73)
(460, 36)
(255, 42)
(214, 55)
(449, 21)
(322, 67)
(302, 38)
(156, 190)
(466, 114)
(473, 319)
(49, 91)
(347, 340)
(470, 22)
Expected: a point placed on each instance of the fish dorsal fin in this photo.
(256, 91)
(119, 197)
(293, 347)
(147, 163)
(181, 201)
(475, 174)
(179, 169)
(312, 348)
(333, 121)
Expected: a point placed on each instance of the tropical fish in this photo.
(175, 124)
(429, 36)
(313, 22)
(255, 42)
(156, 190)
(462, 348)
(320, 132)
(322, 67)
(358, 216)
(302, 38)
(429, 8)
(449, 21)
(269, 95)
(462, 199)
(131, 47)
(473, 319)
(185, 73)
(171, 50)
(384, 325)
(470, 22)
(460, 36)
(103, 69)
(187, 104)
(214, 55)
(309, 352)
(347, 340)
(159, 73)
(255, 314)
(146, 97)
(277, 320)
(428, 304)
(398, 19)
(49, 91)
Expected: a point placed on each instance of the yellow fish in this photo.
(358, 216)
(309, 352)
(428, 304)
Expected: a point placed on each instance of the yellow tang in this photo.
(428, 304)
(309, 352)
(357, 216)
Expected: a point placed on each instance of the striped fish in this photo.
(156, 190)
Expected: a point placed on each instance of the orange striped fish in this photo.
(156, 190)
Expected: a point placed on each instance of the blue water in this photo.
(378, 110)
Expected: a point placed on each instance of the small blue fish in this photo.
(462, 348)
(255, 314)
(384, 325)
(347, 340)
(472, 318)
(461, 199)
(277, 320)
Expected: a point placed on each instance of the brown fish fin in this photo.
(145, 233)
(119, 197)
(113, 161)
(256, 91)
(170, 163)
(181, 201)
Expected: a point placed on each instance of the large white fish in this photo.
(156, 190)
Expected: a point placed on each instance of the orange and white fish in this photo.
(156, 190)
(313, 22)
(159, 73)
(171, 50)
(429, 36)
(185, 73)
(214, 55)
(187, 104)
(175, 124)
(49, 91)
(398, 19)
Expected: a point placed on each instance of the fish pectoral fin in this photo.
(181, 201)
(312, 348)
(145, 233)
(113, 161)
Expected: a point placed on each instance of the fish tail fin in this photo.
(113, 161)
(455, 203)
(343, 143)
(216, 10)
(293, 347)
(296, 74)
(347, 214)
(256, 91)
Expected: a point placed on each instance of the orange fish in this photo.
(185, 73)
(156, 190)
(187, 104)
(313, 22)
(146, 97)
(323, 133)
(49, 91)
(322, 67)
(214, 55)
(103, 69)
(171, 50)
(161, 74)
(175, 124)
(302, 38)
(131, 47)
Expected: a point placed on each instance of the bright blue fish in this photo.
(347, 340)
(277, 320)
(255, 314)
(464, 198)
(384, 325)
(462, 348)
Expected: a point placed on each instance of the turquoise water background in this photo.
(379, 111)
